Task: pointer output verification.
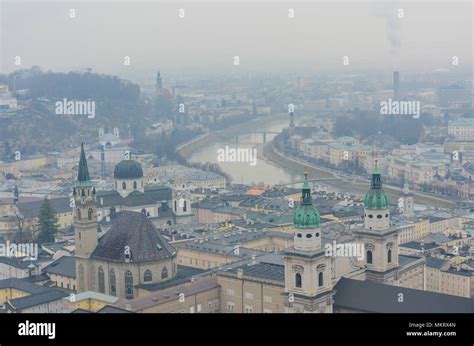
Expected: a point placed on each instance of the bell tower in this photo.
(379, 239)
(85, 223)
(308, 286)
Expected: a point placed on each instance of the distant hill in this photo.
(36, 128)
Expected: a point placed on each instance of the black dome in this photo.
(128, 169)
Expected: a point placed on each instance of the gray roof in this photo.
(56, 246)
(36, 299)
(183, 274)
(460, 271)
(227, 250)
(403, 259)
(153, 299)
(31, 209)
(230, 210)
(152, 195)
(65, 266)
(113, 310)
(22, 285)
(272, 193)
(81, 311)
(242, 237)
(266, 271)
(17, 262)
(372, 297)
(113, 198)
(416, 245)
(136, 231)
(432, 219)
(105, 310)
(434, 262)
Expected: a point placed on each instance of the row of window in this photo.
(124, 185)
(309, 235)
(128, 280)
(299, 280)
(248, 309)
(90, 212)
(369, 256)
(370, 216)
(248, 295)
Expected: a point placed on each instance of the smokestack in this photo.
(396, 86)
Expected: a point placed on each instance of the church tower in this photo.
(380, 240)
(85, 222)
(182, 205)
(308, 285)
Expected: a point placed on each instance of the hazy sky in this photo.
(212, 33)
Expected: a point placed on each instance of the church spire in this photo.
(306, 191)
(376, 179)
(83, 174)
(306, 215)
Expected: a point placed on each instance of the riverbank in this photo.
(352, 187)
(187, 149)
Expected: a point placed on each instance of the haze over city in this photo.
(266, 157)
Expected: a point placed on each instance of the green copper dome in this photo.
(306, 215)
(128, 169)
(376, 197)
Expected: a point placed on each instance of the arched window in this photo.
(321, 279)
(369, 257)
(124, 185)
(164, 273)
(184, 206)
(89, 214)
(81, 278)
(298, 280)
(113, 286)
(128, 285)
(134, 185)
(175, 206)
(389, 256)
(78, 213)
(147, 276)
(101, 280)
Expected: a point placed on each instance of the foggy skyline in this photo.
(211, 34)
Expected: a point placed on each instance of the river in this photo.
(242, 172)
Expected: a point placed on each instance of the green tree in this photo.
(48, 223)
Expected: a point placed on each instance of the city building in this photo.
(462, 129)
(130, 253)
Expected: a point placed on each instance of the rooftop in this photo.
(64, 266)
(136, 231)
(36, 299)
(377, 298)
